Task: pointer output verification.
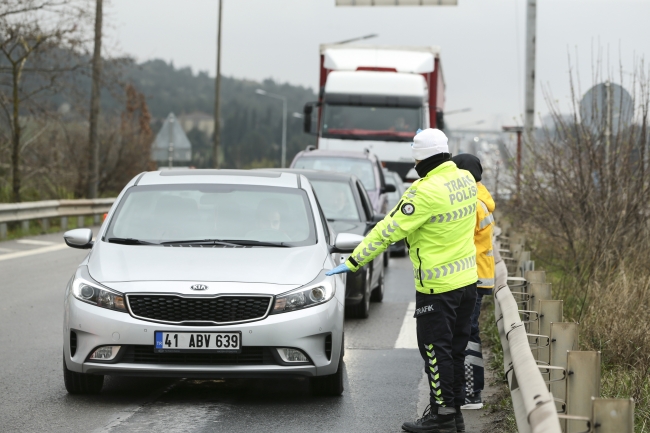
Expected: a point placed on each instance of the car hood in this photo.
(355, 227)
(114, 263)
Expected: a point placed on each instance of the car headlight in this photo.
(87, 290)
(304, 297)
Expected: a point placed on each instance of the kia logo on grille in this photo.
(199, 287)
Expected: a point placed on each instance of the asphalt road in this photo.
(384, 383)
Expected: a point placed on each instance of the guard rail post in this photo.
(582, 384)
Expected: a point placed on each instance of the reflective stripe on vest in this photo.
(485, 221)
(446, 269)
(485, 282)
(453, 216)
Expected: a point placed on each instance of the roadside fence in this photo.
(555, 387)
(46, 210)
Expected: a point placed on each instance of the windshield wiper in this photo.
(201, 242)
(129, 241)
(247, 242)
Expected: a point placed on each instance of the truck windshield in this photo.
(371, 123)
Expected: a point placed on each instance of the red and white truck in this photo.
(376, 98)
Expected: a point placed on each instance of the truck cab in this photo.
(376, 98)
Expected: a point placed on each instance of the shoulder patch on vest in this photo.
(408, 209)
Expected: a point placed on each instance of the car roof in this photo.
(214, 176)
(315, 174)
(337, 153)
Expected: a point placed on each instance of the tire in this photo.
(81, 383)
(378, 292)
(402, 251)
(362, 309)
(331, 385)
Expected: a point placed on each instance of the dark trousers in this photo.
(474, 372)
(443, 329)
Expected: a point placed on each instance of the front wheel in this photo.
(378, 292)
(81, 383)
(362, 309)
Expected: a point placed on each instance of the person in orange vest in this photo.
(474, 370)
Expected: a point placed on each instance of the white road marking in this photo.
(35, 251)
(34, 242)
(407, 338)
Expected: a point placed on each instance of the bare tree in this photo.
(38, 39)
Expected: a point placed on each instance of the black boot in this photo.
(432, 423)
(460, 422)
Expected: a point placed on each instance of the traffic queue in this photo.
(240, 273)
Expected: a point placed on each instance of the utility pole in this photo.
(531, 39)
(93, 139)
(217, 92)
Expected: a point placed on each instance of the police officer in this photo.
(474, 369)
(437, 216)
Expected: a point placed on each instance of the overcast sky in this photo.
(482, 42)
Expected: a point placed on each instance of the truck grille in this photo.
(183, 310)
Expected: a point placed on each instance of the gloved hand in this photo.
(340, 269)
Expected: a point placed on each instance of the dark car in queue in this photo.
(348, 209)
(366, 166)
(393, 178)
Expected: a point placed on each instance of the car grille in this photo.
(192, 310)
(249, 355)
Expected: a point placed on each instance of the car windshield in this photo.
(336, 199)
(371, 123)
(228, 213)
(361, 168)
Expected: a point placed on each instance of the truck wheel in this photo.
(362, 309)
(81, 383)
(331, 385)
(378, 292)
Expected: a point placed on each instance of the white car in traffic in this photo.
(208, 273)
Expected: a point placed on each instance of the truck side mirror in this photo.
(308, 120)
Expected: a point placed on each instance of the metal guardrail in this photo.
(555, 387)
(45, 210)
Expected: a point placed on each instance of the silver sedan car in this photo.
(208, 273)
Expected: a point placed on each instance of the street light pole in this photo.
(284, 122)
(217, 92)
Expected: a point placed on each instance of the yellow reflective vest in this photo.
(437, 216)
(483, 238)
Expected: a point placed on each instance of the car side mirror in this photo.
(79, 238)
(346, 243)
(377, 217)
(389, 187)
